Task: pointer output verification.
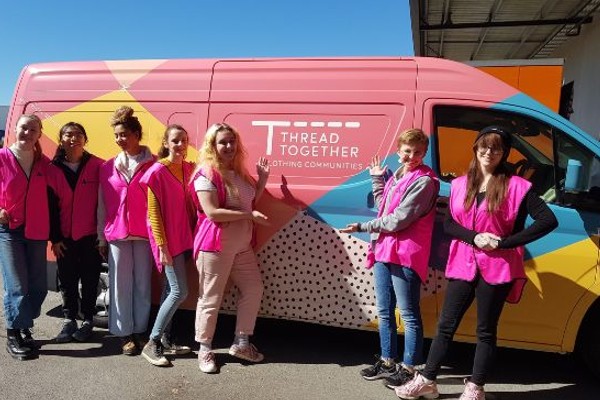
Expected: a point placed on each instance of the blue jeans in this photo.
(23, 265)
(176, 291)
(395, 283)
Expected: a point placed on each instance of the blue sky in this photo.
(66, 30)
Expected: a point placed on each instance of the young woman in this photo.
(24, 230)
(223, 240)
(486, 219)
(402, 242)
(73, 180)
(122, 222)
(170, 230)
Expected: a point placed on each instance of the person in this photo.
(24, 231)
(487, 211)
(402, 240)
(73, 199)
(122, 214)
(223, 235)
(170, 232)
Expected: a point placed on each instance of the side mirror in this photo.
(573, 177)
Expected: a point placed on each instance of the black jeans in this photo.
(81, 261)
(459, 296)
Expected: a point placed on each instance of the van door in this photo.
(319, 122)
(561, 266)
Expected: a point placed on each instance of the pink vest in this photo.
(172, 196)
(409, 247)
(497, 266)
(207, 234)
(78, 208)
(125, 203)
(25, 200)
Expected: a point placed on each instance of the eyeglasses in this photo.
(71, 135)
(494, 150)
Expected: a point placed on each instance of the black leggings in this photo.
(459, 296)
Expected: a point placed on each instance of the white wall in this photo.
(582, 65)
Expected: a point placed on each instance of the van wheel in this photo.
(588, 343)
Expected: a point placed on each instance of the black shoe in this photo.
(68, 329)
(84, 332)
(28, 339)
(399, 378)
(379, 370)
(15, 346)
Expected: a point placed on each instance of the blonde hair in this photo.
(37, 150)
(209, 158)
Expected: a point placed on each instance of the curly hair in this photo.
(124, 116)
(209, 158)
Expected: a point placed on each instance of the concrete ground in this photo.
(303, 361)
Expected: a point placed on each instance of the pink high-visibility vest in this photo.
(25, 199)
(172, 197)
(207, 234)
(78, 208)
(497, 266)
(125, 203)
(409, 247)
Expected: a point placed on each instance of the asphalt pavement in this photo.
(302, 361)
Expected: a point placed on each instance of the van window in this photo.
(587, 195)
(533, 155)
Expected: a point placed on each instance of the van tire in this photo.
(588, 342)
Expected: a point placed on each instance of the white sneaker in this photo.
(206, 362)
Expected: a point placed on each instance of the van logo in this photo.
(304, 140)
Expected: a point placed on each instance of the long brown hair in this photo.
(498, 183)
(163, 151)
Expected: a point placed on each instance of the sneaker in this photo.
(417, 388)
(206, 362)
(84, 332)
(379, 370)
(472, 392)
(248, 353)
(153, 352)
(398, 378)
(28, 339)
(128, 347)
(68, 329)
(171, 348)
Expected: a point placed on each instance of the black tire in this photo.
(588, 342)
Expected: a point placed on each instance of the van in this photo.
(319, 121)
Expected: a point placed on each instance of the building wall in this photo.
(3, 115)
(582, 66)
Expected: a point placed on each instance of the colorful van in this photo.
(319, 121)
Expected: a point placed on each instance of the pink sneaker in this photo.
(472, 392)
(206, 362)
(248, 353)
(416, 388)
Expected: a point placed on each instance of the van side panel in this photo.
(319, 123)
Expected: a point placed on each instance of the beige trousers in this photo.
(235, 261)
